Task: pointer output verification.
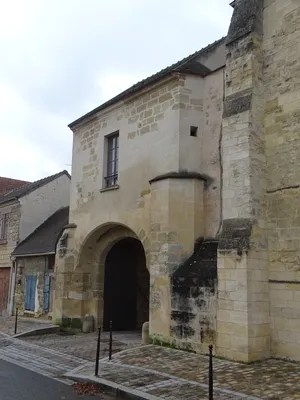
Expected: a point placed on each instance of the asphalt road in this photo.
(18, 383)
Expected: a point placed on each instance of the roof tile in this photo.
(8, 184)
(43, 239)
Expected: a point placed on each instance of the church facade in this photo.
(185, 200)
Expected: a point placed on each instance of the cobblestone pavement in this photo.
(271, 379)
(153, 384)
(84, 345)
(7, 324)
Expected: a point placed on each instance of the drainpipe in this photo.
(12, 286)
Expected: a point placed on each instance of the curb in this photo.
(113, 388)
(136, 394)
(38, 331)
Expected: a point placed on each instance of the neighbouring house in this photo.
(22, 210)
(6, 185)
(35, 262)
(185, 200)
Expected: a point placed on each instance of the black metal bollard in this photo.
(98, 352)
(201, 335)
(210, 375)
(16, 321)
(110, 340)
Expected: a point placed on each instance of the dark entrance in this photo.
(126, 286)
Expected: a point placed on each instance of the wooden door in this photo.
(30, 292)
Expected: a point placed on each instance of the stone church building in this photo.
(185, 204)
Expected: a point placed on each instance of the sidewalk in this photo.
(84, 345)
(152, 372)
(7, 325)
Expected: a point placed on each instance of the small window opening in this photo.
(111, 178)
(194, 131)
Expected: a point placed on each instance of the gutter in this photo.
(34, 254)
(6, 203)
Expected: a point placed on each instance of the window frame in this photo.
(3, 228)
(111, 179)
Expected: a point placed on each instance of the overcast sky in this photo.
(62, 58)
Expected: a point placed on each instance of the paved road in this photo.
(18, 383)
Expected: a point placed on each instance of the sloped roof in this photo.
(187, 65)
(30, 187)
(43, 239)
(8, 184)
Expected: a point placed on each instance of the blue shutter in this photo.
(27, 294)
(46, 293)
(30, 292)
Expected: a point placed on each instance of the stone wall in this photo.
(37, 266)
(201, 106)
(13, 211)
(6, 249)
(154, 139)
(165, 214)
(211, 152)
(194, 294)
(282, 125)
(176, 222)
(258, 255)
(243, 296)
(148, 124)
(250, 197)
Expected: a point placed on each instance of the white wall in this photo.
(143, 155)
(38, 205)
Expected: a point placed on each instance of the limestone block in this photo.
(88, 324)
(145, 333)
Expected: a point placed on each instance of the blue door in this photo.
(46, 293)
(30, 292)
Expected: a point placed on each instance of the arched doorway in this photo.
(126, 286)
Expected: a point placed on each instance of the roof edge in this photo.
(153, 79)
(30, 190)
(120, 97)
(37, 228)
(33, 254)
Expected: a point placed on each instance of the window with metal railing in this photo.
(112, 171)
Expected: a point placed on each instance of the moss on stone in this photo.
(159, 340)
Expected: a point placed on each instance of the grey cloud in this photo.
(56, 65)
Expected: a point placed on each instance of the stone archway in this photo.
(111, 258)
(126, 286)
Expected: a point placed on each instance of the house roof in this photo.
(8, 184)
(43, 240)
(187, 65)
(29, 187)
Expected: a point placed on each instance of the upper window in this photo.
(3, 228)
(112, 173)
